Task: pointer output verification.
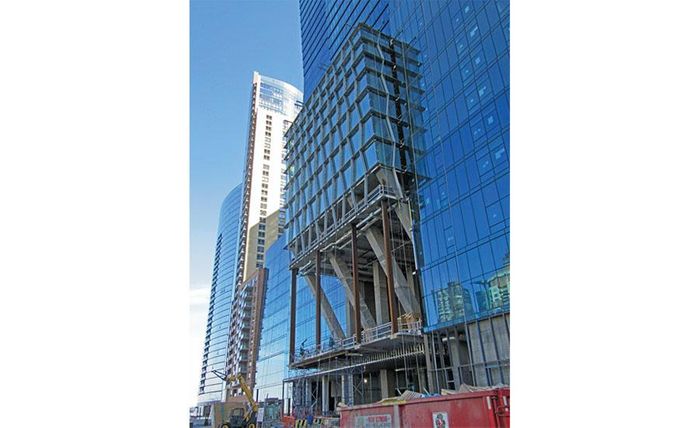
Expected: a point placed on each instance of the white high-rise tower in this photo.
(274, 106)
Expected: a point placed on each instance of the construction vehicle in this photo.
(235, 412)
(242, 416)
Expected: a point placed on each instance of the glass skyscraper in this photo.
(211, 387)
(350, 167)
(325, 26)
(454, 178)
(273, 351)
(397, 207)
(463, 170)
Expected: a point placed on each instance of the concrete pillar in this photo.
(356, 284)
(410, 280)
(403, 213)
(387, 383)
(464, 358)
(347, 391)
(389, 261)
(478, 354)
(324, 394)
(422, 380)
(381, 301)
(455, 359)
(349, 317)
(307, 393)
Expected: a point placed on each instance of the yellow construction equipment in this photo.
(241, 417)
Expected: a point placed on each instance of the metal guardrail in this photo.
(360, 364)
(373, 334)
(351, 214)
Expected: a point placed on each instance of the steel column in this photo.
(356, 283)
(318, 299)
(293, 316)
(389, 266)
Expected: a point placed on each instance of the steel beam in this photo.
(293, 316)
(326, 309)
(346, 277)
(403, 213)
(391, 180)
(405, 294)
(389, 266)
(356, 283)
(318, 299)
(381, 304)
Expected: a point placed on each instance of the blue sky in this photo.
(229, 39)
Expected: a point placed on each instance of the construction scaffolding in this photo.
(358, 378)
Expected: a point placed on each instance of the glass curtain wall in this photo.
(273, 353)
(223, 279)
(463, 173)
(325, 26)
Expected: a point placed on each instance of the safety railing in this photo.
(382, 331)
(355, 211)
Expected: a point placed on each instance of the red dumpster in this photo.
(487, 409)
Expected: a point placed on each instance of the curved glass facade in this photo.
(223, 277)
(278, 96)
(463, 173)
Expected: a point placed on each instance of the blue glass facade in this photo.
(459, 153)
(223, 280)
(273, 352)
(325, 26)
(347, 130)
(463, 170)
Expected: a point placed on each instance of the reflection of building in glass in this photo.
(450, 302)
(443, 168)
(211, 387)
(326, 25)
(397, 216)
(463, 221)
(499, 287)
(273, 354)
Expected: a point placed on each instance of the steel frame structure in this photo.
(363, 236)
